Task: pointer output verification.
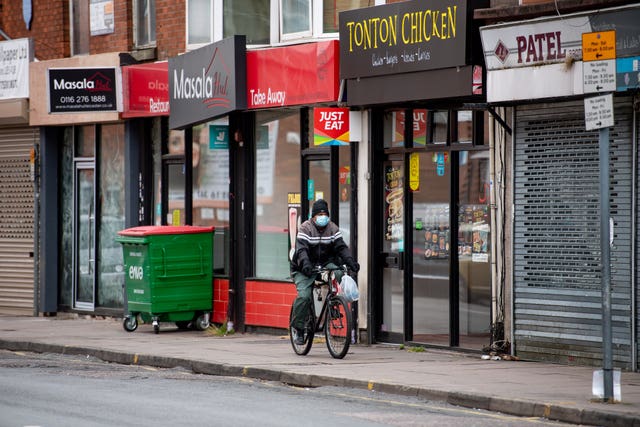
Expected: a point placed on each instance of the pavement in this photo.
(522, 388)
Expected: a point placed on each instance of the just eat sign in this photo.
(331, 126)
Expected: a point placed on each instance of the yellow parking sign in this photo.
(599, 45)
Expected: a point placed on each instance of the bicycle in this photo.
(330, 312)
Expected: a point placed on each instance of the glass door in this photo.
(392, 327)
(474, 249)
(319, 182)
(84, 236)
(431, 248)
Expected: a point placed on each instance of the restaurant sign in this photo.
(292, 75)
(208, 82)
(404, 37)
(82, 89)
(146, 90)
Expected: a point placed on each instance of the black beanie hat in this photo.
(319, 206)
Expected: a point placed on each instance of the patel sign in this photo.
(331, 126)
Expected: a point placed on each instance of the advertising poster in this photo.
(330, 126)
(293, 220)
(435, 224)
(394, 206)
(473, 233)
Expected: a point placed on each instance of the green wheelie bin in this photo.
(168, 275)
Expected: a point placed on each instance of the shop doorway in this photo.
(84, 248)
(431, 241)
(432, 226)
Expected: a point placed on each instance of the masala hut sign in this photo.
(404, 37)
(208, 82)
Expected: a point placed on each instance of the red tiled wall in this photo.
(220, 300)
(269, 303)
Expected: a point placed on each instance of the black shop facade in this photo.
(416, 69)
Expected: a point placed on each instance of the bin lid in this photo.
(153, 230)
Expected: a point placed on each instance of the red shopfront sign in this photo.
(146, 90)
(293, 75)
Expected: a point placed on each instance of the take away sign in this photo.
(331, 126)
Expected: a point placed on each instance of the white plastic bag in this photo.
(349, 288)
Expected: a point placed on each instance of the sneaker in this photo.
(299, 336)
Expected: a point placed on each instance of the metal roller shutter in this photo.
(16, 220)
(557, 287)
(637, 261)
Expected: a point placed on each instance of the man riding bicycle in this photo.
(319, 242)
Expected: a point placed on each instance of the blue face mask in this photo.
(322, 220)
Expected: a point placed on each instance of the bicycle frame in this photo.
(319, 318)
(333, 316)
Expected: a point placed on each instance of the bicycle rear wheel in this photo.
(337, 326)
(302, 349)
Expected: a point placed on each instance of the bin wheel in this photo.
(130, 323)
(202, 322)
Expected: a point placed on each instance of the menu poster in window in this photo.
(394, 204)
(473, 233)
(436, 231)
(294, 207)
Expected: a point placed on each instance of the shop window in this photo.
(174, 164)
(474, 248)
(144, 22)
(343, 213)
(111, 219)
(277, 176)
(211, 186)
(439, 127)
(464, 127)
(394, 129)
(84, 141)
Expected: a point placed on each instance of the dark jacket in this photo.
(316, 247)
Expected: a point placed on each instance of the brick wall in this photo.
(121, 40)
(171, 20)
(50, 28)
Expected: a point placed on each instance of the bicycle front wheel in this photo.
(304, 348)
(337, 326)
